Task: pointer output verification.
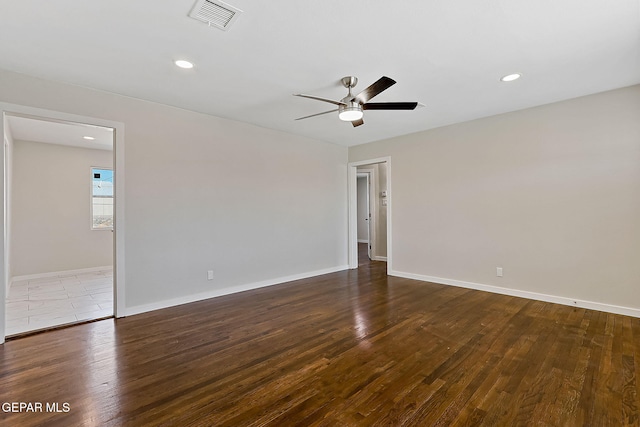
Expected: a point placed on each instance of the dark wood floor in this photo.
(354, 348)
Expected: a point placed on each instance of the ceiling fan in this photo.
(350, 108)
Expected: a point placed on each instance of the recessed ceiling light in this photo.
(183, 64)
(90, 138)
(511, 77)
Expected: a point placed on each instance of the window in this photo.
(101, 199)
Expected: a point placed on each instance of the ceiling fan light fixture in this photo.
(350, 113)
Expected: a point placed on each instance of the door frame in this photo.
(119, 209)
(352, 172)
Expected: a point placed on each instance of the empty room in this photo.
(322, 213)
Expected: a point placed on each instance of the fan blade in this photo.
(357, 123)
(319, 114)
(390, 106)
(317, 98)
(382, 84)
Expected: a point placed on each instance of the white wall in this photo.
(551, 194)
(51, 215)
(206, 193)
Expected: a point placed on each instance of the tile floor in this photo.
(58, 300)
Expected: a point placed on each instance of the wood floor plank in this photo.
(353, 348)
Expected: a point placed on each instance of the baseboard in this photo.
(574, 302)
(130, 311)
(379, 258)
(59, 273)
(363, 241)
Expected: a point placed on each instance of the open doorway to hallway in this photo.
(370, 210)
(364, 214)
(59, 223)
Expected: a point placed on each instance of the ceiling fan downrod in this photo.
(351, 110)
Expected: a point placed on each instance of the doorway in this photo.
(378, 174)
(35, 276)
(364, 211)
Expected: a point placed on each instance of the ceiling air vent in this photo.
(215, 13)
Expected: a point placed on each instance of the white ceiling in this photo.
(448, 55)
(61, 133)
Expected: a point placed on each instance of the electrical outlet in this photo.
(210, 275)
(499, 271)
